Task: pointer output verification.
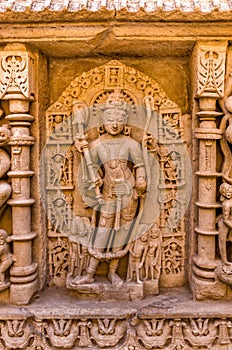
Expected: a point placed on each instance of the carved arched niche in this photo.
(64, 202)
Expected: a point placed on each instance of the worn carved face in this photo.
(154, 233)
(58, 118)
(144, 237)
(228, 194)
(114, 120)
(2, 240)
(226, 190)
(3, 137)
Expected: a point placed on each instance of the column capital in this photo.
(211, 58)
(16, 73)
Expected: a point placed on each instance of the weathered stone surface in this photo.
(115, 175)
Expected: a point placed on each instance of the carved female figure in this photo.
(119, 182)
(138, 252)
(225, 221)
(6, 258)
(5, 188)
(153, 256)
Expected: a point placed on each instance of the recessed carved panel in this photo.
(85, 154)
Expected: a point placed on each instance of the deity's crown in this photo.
(115, 100)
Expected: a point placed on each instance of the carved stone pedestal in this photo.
(104, 290)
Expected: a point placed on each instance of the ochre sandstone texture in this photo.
(116, 174)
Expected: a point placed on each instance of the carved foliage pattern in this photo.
(116, 333)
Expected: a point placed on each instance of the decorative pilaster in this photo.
(16, 74)
(210, 88)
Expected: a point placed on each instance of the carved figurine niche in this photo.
(60, 128)
(116, 184)
(59, 168)
(59, 213)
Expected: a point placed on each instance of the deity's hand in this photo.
(150, 142)
(228, 223)
(81, 143)
(140, 186)
(98, 181)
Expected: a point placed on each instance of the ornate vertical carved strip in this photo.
(210, 88)
(16, 74)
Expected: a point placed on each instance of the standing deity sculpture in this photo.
(118, 187)
(114, 185)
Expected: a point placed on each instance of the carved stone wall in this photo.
(116, 182)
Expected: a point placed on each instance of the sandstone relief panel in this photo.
(115, 183)
(116, 176)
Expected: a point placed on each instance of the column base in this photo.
(21, 294)
(203, 289)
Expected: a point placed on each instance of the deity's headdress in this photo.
(115, 100)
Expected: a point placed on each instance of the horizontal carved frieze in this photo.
(124, 332)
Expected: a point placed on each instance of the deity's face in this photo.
(58, 118)
(144, 237)
(114, 119)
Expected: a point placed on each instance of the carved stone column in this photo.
(17, 88)
(210, 59)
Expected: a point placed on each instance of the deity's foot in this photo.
(82, 280)
(115, 279)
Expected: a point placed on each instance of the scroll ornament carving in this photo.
(116, 333)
